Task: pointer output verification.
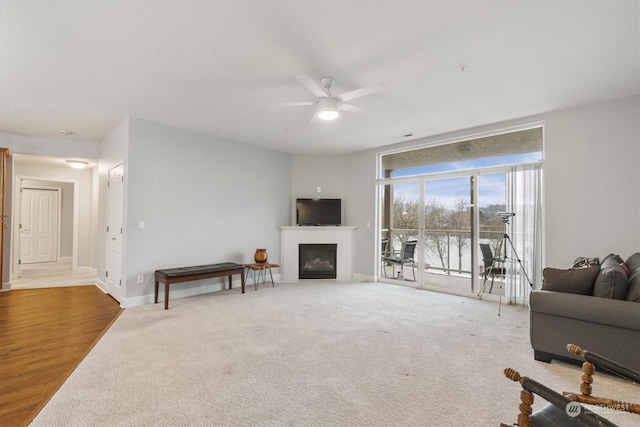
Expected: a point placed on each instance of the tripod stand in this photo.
(502, 249)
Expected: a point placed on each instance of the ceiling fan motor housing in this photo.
(327, 83)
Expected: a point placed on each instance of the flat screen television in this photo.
(318, 211)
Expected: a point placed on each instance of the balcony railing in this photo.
(442, 247)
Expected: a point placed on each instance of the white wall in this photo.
(64, 148)
(203, 201)
(114, 150)
(360, 192)
(592, 176)
(591, 183)
(312, 171)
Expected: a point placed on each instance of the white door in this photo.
(38, 226)
(115, 195)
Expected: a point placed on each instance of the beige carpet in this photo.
(313, 354)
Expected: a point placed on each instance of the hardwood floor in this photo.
(44, 335)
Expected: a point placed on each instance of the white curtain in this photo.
(524, 253)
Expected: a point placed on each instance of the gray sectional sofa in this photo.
(595, 307)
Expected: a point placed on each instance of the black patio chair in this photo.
(406, 256)
(492, 266)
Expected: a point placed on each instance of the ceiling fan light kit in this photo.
(328, 109)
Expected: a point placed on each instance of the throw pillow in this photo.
(633, 294)
(626, 269)
(611, 281)
(572, 281)
(633, 262)
(582, 262)
(614, 256)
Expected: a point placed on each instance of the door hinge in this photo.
(122, 178)
(19, 261)
(120, 230)
(120, 282)
(106, 273)
(107, 228)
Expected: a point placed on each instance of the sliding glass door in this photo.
(447, 233)
(433, 228)
(399, 219)
(426, 238)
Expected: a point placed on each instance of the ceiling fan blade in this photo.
(311, 84)
(363, 91)
(292, 104)
(313, 119)
(354, 109)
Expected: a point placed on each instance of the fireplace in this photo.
(317, 261)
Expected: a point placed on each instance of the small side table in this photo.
(262, 271)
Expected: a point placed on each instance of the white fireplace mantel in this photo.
(292, 236)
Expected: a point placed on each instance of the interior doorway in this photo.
(115, 227)
(73, 263)
(44, 233)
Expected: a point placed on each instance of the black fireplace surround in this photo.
(317, 261)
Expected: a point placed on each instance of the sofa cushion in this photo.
(612, 281)
(604, 311)
(633, 294)
(573, 281)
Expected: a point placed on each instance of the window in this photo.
(445, 196)
(518, 147)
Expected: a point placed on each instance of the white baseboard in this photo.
(86, 269)
(103, 286)
(178, 292)
(358, 277)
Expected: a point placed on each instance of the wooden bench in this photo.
(170, 276)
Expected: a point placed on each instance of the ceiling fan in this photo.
(328, 104)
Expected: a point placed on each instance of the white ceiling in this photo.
(215, 66)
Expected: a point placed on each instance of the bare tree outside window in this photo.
(460, 224)
(405, 218)
(436, 219)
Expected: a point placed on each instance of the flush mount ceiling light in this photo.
(328, 109)
(77, 164)
(66, 132)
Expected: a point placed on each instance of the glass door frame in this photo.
(420, 180)
(380, 189)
